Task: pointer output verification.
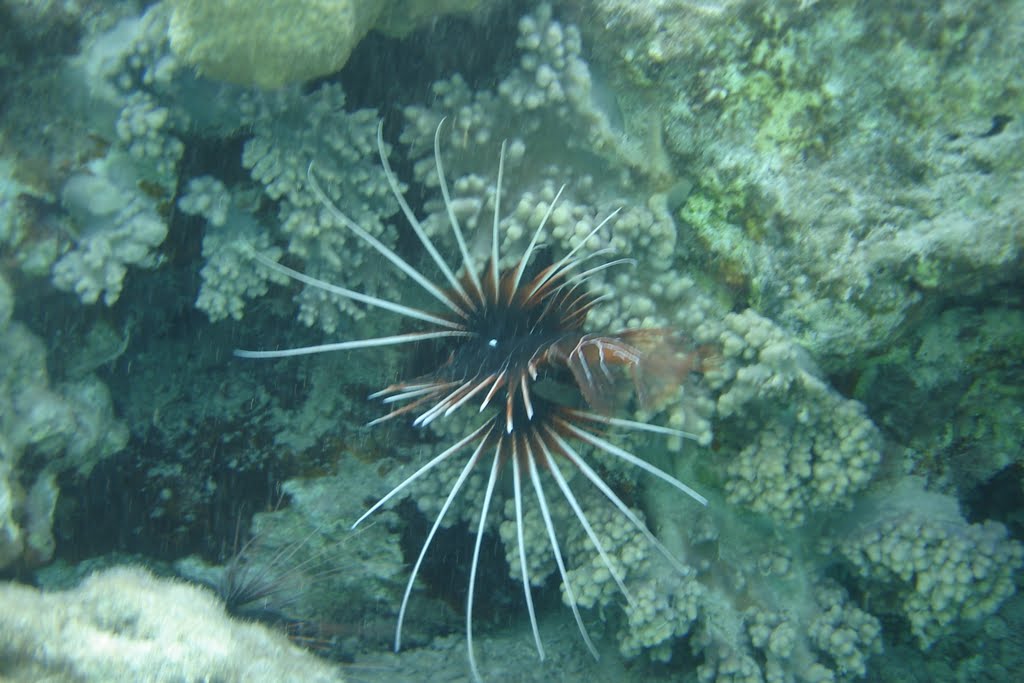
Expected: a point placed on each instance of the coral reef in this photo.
(118, 230)
(113, 203)
(838, 254)
(963, 364)
(341, 145)
(318, 570)
(788, 445)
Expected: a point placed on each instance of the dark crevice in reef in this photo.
(219, 157)
(903, 420)
(445, 569)
(201, 456)
(120, 508)
(388, 73)
(1000, 498)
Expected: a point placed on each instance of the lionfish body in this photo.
(502, 333)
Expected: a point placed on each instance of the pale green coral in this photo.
(114, 202)
(718, 218)
(119, 227)
(663, 598)
(861, 194)
(627, 551)
(272, 43)
(773, 91)
(945, 573)
(44, 431)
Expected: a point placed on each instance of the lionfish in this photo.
(502, 331)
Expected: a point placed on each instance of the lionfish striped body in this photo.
(503, 332)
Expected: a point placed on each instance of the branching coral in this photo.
(114, 202)
(291, 131)
(230, 275)
(119, 228)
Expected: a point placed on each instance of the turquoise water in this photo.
(686, 337)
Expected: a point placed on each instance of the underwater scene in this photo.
(506, 340)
